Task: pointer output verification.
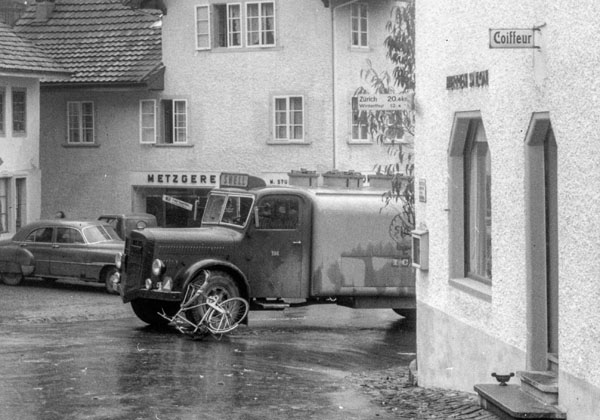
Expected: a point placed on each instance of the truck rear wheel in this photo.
(148, 311)
(409, 314)
(214, 283)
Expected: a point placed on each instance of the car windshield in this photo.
(95, 234)
(227, 209)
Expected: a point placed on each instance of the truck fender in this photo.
(190, 273)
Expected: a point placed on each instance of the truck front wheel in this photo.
(148, 311)
(214, 283)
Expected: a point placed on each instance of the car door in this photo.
(68, 253)
(277, 249)
(39, 243)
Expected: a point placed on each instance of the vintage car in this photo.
(53, 249)
(125, 223)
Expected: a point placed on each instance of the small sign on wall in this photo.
(422, 190)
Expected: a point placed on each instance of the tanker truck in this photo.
(276, 247)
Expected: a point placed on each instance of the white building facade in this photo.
(507, 163)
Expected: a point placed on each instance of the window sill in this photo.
(355, 48)
(287, 143)
(160, 145)
(240, 49)
(360, 142)
(473, 287)
(80, 145)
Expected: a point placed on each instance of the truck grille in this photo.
(139, 262)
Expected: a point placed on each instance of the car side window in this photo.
(278, 213)
(40, 235)
(69, 236)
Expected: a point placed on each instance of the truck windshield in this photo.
(227, 209)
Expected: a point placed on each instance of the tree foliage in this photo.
(395, 129)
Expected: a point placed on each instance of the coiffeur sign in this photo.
(512, 38)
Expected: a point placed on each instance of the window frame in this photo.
(362, 25)
(459, 276)
(81, 129)
(355, 125)
(22, 113)
(169, 128)
(143, 128)
(288, 125)
(208, 33)
(2, 111)
(5, 204)
(261, 30)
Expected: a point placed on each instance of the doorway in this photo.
(541, 160)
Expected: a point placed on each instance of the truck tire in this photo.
(214, 283)
(409, 315)
(148, 311)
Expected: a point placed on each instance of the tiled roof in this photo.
(20, 55)
(100, 41)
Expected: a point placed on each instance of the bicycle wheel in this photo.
(233, 312)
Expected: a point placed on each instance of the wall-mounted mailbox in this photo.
(420, 249)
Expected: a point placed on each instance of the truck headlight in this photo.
(158, 267)
(118, 260)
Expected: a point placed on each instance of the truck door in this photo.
(278, 248)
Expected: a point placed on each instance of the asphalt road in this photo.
(71, 351)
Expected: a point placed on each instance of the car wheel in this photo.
(12, 279)
(214, 283)
(148, 311)
(107, 276)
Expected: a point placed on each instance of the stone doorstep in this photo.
(510, 402)
(542, 385)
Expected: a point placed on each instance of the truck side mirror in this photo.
(256, 223)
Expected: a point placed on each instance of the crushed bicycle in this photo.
(217, 317)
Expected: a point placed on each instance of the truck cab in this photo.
(274, 245)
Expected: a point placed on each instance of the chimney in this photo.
(43, 10)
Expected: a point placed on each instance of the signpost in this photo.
(176, 202)
(385, 102)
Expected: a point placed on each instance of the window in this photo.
(478, 203)
(148, 121)
(289, 118)
(359, 25)
(260, 20)
(80, 116)
(4, 204)
(278, 213)
(175, 121)
(2, 111)
(359, 122)
(471, 205)
(19, 107)
(224, 25)
(40, 235)
(21, 192)
(69, 236)
(202, 28)
(228, 24)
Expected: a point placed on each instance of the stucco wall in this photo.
(86, 181)
(20, 153)
(574, 95)
(560, 79)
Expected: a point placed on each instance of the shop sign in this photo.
(386, 102)
(181, 179)
(512, 38)
(177, 202)
(467, 80)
